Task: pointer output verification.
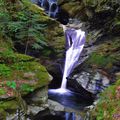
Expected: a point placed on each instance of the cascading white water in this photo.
(50, 7)
(75, 41)
(53, 9)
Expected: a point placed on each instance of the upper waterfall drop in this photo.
(75, 40)
(50, 7)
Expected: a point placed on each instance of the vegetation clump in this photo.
(108, 107)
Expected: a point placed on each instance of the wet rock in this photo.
(34, 110)
(39, 96)
(55, 106)
(94, 82)
(56, 71)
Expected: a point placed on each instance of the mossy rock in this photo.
(99, 13)
(25, 76)
(19, 75)
(39, 44)
(37, 10)
(19, 71)
(8, 107)
(54, 35)
(107, 54)
(57, 43)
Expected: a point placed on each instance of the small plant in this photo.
(11, 84)
(26, 88)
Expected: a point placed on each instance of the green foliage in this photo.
(5, 70)
(26, 88)
(23, 26)
(22, 57)
(109, 105)
(7, 56)
(11, 84)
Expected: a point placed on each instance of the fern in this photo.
(23, 27)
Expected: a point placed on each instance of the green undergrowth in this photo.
(24, 23)
(108, 107)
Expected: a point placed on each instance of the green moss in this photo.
(13, 68)
(35, 72)
(100, 60)
(72, 7)
(93, 36)
(2, 114)
(2, 91)
(22, 57)
(108, 105)
(106, 55)
(8, 105)
(57, 42)
(5, 71)
(26, 88)
(91, 3)
(9, 57)
(6, 56)
(5, 106)
(37, 10)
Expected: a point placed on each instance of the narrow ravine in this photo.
(59, 60)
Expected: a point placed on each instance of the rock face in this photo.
(94, 82)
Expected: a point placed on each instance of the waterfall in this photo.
(50, 7)
(75, 40)
(70, 116)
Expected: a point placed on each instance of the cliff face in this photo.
(99, 14)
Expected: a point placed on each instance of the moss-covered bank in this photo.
(108, 107)
(22, 28)
(19, 75)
